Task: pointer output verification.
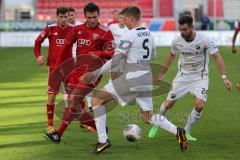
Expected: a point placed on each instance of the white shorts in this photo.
(182, 85)
(122, 93)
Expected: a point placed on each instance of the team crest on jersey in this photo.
(95, 36)
(173, 95)
(198, 47)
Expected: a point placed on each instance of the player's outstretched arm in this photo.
(90, 76)
(218, 58)
(168, 62)
(234, 49)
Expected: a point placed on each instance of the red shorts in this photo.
(79, 88)
(54, 81)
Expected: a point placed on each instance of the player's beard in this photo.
(188, 37)
(63, 25)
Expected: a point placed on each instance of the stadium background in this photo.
(23, 85)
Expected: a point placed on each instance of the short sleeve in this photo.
(174, 49)
(125, 43)
(211, 46)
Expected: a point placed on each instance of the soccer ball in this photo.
(132, 132)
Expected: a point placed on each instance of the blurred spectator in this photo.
(115, 18)
(222, 25)
(205, 22)
(72, 17)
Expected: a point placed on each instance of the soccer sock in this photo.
(88, 120)
(66, 120)
(50, 113)
(100, 122)
(89, 98)
(192, 118)
(161, 121)
(65, 99)
(163, 110)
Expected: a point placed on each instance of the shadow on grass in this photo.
(21, 129)
(22, 144)
(16, 104)
(7, 88)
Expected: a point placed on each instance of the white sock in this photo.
(161, 121)
(89, 98)
(163, 110)
(192, 118)
(100, 122)
(65, 99)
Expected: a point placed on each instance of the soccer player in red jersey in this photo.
(234, 49)
(56, 34)
(93, 41)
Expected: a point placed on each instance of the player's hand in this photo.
(87, 77)
(234, 50)
(40, 60)
(228, 84)
(159, 77)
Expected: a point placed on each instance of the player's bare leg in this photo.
(238, 85)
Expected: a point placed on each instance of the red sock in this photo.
(88, 120)
(66, 120)
(50, 113)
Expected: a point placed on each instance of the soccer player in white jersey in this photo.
(118, 30)
(192, 77)
(135, 83)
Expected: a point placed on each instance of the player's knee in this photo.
(96, 102)
(168, 104)
(146, 116)
(199, 104)
(51, 99)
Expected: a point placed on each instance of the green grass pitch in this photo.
(23, 117)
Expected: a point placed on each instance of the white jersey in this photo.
(136, 81)
(138, 46)
(117, 32)
(194, 57)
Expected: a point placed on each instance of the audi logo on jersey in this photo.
(84, 42)
(60, 41)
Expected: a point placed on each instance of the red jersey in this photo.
(89, 41)
(238, 27)
(56, 36)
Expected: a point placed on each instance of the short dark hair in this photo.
(71, 9)
(115, 10)
(186, 19)
(132, 11)
(62, 10)
(121, 12)
(91, 7)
